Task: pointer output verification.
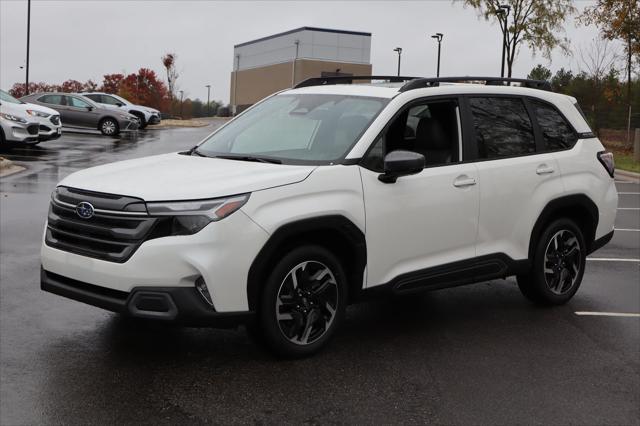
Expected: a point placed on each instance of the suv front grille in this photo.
(117, 228)
(55, 119)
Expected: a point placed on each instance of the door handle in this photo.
(463, 181)
(543, 169)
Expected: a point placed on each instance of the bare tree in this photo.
(598, 59)
(169, 62)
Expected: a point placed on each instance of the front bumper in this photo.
(221, 254)
(154, 119)
(20, 132)
(129, 125)
(182, 305)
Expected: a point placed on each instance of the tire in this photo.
(109, 127)
(143, 122)
(557, 266)
(298, 317)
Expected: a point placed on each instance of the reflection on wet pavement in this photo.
(51, 161)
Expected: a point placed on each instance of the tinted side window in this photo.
(556, 132)
(75, 102)
(95, 98)
(51, 99)
(503, 127)
(110, 100)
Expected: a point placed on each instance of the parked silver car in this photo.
(79, 111)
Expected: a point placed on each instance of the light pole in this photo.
(208, 86)
(399, 50)
(295, 59)
(26, 85)
(438, 36)
(503, 12)
(235, 85)
(181, 94)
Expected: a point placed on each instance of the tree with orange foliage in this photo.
(144, 88)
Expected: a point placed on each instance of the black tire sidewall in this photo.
(268, 324)
(538, 283)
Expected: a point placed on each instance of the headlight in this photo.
(37, 113)
(189, 217)
(12, 118)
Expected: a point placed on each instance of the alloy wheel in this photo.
(109, 127)
(306, 303)
(562, 262)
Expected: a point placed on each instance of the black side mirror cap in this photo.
(401, 163)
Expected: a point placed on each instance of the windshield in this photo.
(296, 129)
(5, 97)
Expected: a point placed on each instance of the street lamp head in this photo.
(398, 49)
(438, 36)
(505, 7)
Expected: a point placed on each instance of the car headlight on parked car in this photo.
(37, 113)
(189, 217)
(12, 118)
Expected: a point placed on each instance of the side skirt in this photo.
(463, 272)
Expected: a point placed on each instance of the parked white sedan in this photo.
(27, 123)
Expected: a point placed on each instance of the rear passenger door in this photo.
(517, 176)
(81, 113)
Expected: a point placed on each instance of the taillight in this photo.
(606, 159)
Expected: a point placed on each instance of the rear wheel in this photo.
(109, 127)
(557, 265)
(303, 302)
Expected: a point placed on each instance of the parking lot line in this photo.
(628, 193)
(607, 314)
(612, 259)
(626, 229)
(628, 208)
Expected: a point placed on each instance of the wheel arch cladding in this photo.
(579, 208)
(334, 232)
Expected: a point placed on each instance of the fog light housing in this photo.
(201, 286)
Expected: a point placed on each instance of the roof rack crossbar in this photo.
(420, 83)
(349, 79)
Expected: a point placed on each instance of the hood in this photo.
(170, 177)
(21, 109)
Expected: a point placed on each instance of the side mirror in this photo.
(120, 104)
(89, 108)
(401, 163)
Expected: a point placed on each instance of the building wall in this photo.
(313, 43)
(259, 82)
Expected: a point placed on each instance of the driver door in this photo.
(425, 220)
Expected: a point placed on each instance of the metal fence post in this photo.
(636, 146)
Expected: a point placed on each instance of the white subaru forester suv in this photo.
(319, 196)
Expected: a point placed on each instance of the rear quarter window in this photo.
(557, 134)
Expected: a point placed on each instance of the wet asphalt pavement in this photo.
(479, 354)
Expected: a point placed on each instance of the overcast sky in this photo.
(86, 39)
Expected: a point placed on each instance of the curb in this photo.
(627, 175)
(8, 168)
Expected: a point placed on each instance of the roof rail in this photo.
(420, 83)
(349, 79)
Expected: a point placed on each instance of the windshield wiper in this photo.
(250, 158)
(194, 151)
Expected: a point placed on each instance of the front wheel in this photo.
(109, 127)
(558, 265)
(303, 301)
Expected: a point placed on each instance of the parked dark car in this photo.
(79, 111)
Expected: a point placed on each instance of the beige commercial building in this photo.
(273, 63)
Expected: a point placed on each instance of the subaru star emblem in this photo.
(84, 210)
